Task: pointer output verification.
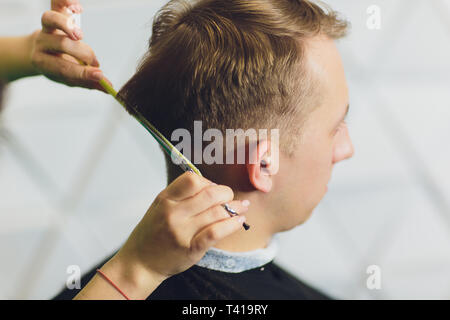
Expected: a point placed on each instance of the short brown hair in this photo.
(229, 64)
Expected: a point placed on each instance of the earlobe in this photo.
(258, 168)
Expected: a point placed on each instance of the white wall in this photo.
(76, 173)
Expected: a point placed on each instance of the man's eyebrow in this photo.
(344, 116)
(346, 111)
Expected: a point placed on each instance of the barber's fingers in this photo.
(72, 5)
(62, 44)
(185, 186)
(208, 197)
(215, 232)
(52, 21)
(217, 213)
(70, 73)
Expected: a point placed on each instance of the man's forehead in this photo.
(322, 57)
(325, 64)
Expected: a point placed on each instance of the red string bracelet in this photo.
(112, 283)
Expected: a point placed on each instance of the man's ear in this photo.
(259, 166)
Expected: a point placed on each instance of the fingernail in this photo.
(241, 219)
(97, 75)
(78, 33)
(245, 203)
(109, 82)
(96, 63)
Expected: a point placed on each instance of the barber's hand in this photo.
(183, 222)
(57, 49)
(72, 5)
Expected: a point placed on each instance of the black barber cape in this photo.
(269, 282)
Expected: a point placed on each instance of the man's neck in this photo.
(257, 237)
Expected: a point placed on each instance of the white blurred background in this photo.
(77, 173)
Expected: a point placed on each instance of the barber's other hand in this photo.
(57, 49)
(183, 222)
(72, 5)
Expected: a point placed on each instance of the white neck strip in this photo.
(234, 262)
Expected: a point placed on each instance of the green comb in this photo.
(167, 146)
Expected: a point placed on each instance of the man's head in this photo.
(262, 64)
